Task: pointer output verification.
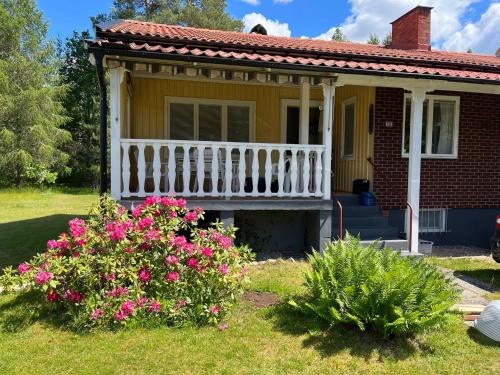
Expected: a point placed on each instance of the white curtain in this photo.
(445, 125)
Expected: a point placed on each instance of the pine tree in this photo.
(339, 36)
(373, 39)
(387, 40)
(31, 113)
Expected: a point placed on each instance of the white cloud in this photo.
(282, 1)
(252, 2)
(273, 27)
(447, 31)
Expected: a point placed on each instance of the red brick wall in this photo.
(413, 30)
(471, 181)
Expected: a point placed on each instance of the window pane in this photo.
(407, 126)
(210, 122)
(292, 125)
(443, 122)
(238, 124)
(315, 137)
(181, 121)
(349, 130)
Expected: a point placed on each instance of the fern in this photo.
(376, 290)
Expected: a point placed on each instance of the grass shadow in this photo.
(481, 339)
(20, 240)
(487, 279)
(24, 309)
(331, 341)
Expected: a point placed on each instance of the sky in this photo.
(457, 25)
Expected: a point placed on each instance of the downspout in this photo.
(104, 122)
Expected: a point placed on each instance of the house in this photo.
(263, 129)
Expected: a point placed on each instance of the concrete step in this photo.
(349, 211)
(361, 221)
(370, 233)
(348, 199)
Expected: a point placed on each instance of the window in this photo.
(348, 128)
(439, 126)
(290, 122)
(432, 220)
(210, 120)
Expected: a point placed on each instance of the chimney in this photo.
(413, 29)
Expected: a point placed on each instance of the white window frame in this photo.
(224, 105)
(285, 103)
(442, 213)
(430, 117)
(351, 100)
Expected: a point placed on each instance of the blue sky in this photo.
(457, 24)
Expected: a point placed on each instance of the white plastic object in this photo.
(488, 322)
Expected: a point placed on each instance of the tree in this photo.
(82, 106)
(339, 36)
(387, 40)
(31, 112)
(373, 39)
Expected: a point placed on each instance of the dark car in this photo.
(495, 242)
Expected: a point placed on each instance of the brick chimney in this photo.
(413, 29)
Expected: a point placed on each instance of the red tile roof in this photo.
(184, 41)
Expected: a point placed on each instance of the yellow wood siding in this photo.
(148, 112)
(346, 171)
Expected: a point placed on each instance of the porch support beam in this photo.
(116, 78)
(304, 111)
(328, 111)
(414, 161)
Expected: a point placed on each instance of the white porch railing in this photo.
(201, 169)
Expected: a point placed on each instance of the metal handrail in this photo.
(370, 160)
(341, 229)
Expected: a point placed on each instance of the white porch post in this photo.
(415, 155)
(328, 110)
(116, 78)
(304, 111)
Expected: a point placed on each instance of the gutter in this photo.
(274, 65)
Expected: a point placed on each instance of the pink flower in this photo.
(129, 250)
(152, 235)
(137, 211)
(77, 228)
(74, 296)
(97, 314)
(128, 307)
(191, 217)
(154, 306)
(144, 275)
(81, 241)
(110, 277)
(62, 244)
(23, 268)
(181, 203)
(181, 303)
(152, 200)
(173, 276)
(224, 269)
(44, 277)
(145, 222)
(207, 252)
(52, 244)
(120, 291)
(76, 254)
(120, 315)
(172, 215)
(168, 201)
(222, 241)
(171, 260)
(192, 262)
(116, 231)
(215, 309)
(223, 327)
(203, 233)
(52, 296)
(140, 302)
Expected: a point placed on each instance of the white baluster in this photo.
(156, 168)
(141, 169)
(319, 172)
(200, 170)
(229, 171)
(242, 171)
(215, 170)
(306, 172)
(281, 172)
(186, 171)
(126, 170)
(171, 169)
(268, 171)
(293, 173)
(255, 171)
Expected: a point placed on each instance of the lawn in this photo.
(272, 340)
(480, 268)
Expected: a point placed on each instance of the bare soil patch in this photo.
(261, 299)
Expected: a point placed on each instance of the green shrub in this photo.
(153, 265)
(377, 290)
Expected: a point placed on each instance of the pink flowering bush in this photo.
(153, 265)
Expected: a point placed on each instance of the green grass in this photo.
(274, 340)
(480, 268)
